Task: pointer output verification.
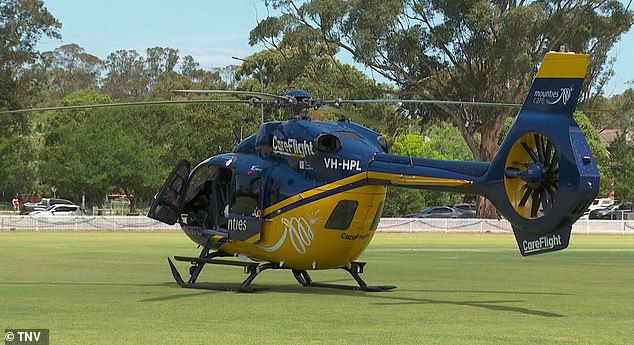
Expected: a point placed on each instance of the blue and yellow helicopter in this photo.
(308, 195)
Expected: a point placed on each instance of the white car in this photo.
(598, 203)
(59, 210)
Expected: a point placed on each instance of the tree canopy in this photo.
(623, 167)
(22, 24)
(438, 141)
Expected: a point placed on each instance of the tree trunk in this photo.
(485, 209)
(132, 198)
(488, 147)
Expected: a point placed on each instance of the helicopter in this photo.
(305, 195)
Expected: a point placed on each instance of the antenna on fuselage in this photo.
(235, 134)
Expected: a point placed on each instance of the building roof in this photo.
(608, 136)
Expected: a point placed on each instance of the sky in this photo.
(210, 31)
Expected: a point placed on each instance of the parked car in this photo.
(59, 210)
(598, 204)
(469, 210)
(438, 212)
(45, 203)
(615, 211)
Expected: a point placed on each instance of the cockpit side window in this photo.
(199, 178)
(198, 195)
(206, 195)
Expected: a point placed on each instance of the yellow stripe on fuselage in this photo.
(563, 65)
(394, 179)
(312, 192)
(415, 180)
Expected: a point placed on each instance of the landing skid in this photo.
(254, 268)
(355, 269)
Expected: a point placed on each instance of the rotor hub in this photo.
(534, 175)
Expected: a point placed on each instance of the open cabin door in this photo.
(168, 203)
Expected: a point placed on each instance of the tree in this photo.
(166, 83)
(623, 114)
(158, 61)
(22, 24)
(189, 66)
(623, 167)
(438, 141)
(202, 79)
(70, 157)
(322, 76)
(208, 129)
(72, 69)
(125, 75)
(16, 173)
(470, 50)
(613, 112)
(95, 151)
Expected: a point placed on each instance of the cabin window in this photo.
(246, 199)
(274, 195)
(342, 215)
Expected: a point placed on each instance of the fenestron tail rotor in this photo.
(531, 175)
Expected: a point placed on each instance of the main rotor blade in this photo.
(235, 93)
(126, 104)
(427, 101)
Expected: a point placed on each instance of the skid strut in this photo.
(254, 268)
(354, 268)
(207, 257)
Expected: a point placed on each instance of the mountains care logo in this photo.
(553, 97)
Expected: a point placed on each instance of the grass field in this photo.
(116, 288)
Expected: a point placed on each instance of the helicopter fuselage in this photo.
(305, 194)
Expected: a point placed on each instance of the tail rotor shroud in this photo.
(531, 175)
(544, 175)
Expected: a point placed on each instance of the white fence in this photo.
(83, 223)
(493, 225)
(142, 223)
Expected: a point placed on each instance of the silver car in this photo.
(59, 210)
